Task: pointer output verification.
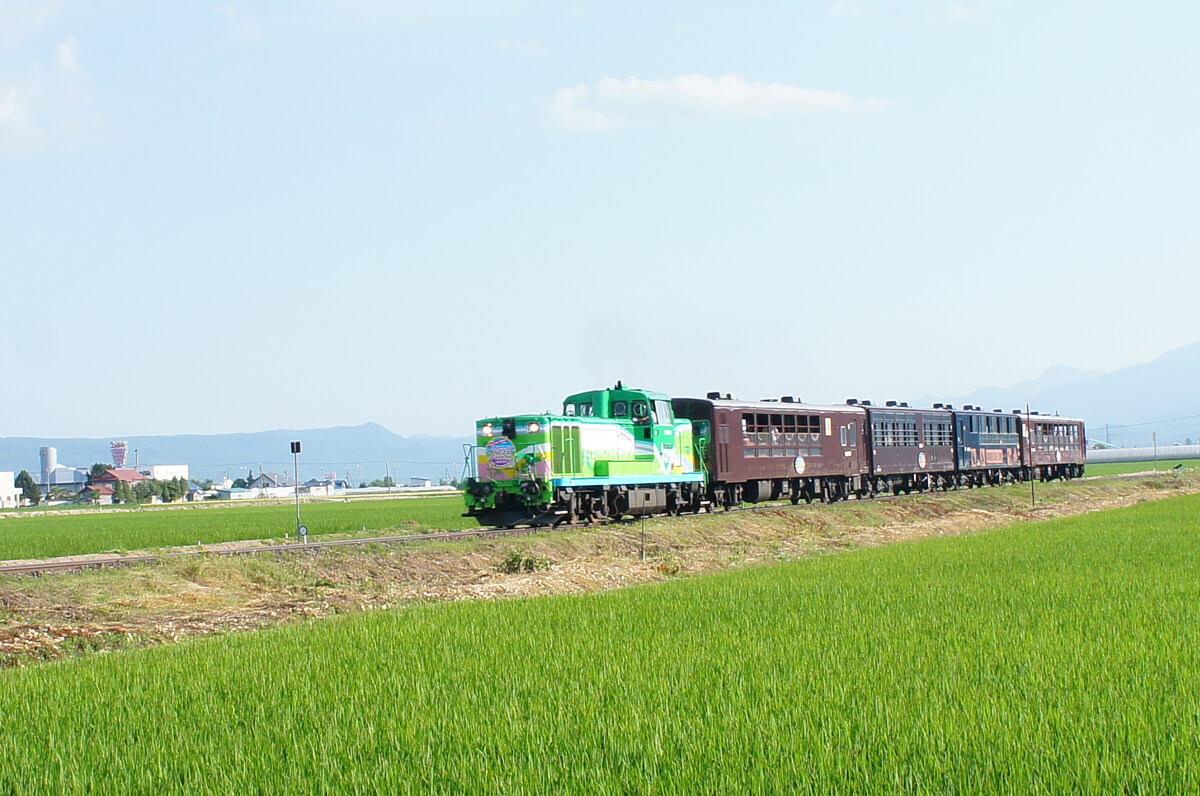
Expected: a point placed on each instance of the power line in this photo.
(1151, 422)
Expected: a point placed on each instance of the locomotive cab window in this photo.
(620, 409)
(641, 412)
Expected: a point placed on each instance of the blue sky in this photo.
(244, 216)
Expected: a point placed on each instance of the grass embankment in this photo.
(1061, 656)
(79, 533)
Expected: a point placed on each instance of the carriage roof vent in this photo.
(891, 403)
(768, 400)
(713, 396)
(1016, 411)
(851, 402)
(866, 403)
(998, 411)
(791, 399)
(948, 406)
(904, 404)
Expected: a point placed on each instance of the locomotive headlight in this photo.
(486, 430)
(534, 427)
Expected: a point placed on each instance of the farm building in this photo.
(113, 477)
(10, 496)
(100, 494)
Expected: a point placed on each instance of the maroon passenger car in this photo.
(1053, 447)
(910, 448)
(768, 450)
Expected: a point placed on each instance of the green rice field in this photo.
(76, 532)
(1120, 468)
(1057, 657)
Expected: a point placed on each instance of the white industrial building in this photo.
(54, 474)
(168, 472)
(10, 495)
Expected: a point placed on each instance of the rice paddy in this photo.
(76, 533)
(1061, 656)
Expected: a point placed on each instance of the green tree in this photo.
(30, 488)
(98, 469)
(142, 491)
(123, 494)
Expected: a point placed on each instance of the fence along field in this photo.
(77, 533)
(1055, 657)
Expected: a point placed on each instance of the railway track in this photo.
(81, 562)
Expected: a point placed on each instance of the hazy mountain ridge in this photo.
(1161, 396)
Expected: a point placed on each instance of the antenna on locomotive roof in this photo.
(618, 387)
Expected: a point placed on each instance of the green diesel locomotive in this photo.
(610, 453)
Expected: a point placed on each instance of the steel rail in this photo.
(37, 567)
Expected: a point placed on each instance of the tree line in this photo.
(167, 491)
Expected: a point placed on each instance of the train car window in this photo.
(620, 409)
(587, 410)
(844, 440)
(662, 413)
(853, 434)
(641, 413)
(829, 427)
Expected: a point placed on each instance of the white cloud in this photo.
(511, 46)
(959, 13)
(67, 55)
(18, 130)
(570, 108)
(19, 19)
(614, 103)
(50, 106)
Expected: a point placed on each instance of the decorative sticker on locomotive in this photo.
(502, 454)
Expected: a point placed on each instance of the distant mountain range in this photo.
(1128, 405)
(1125, 406)
(360, 453)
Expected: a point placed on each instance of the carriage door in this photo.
(723, 442)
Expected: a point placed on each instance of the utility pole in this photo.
(301, 531)
(1029, 450)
